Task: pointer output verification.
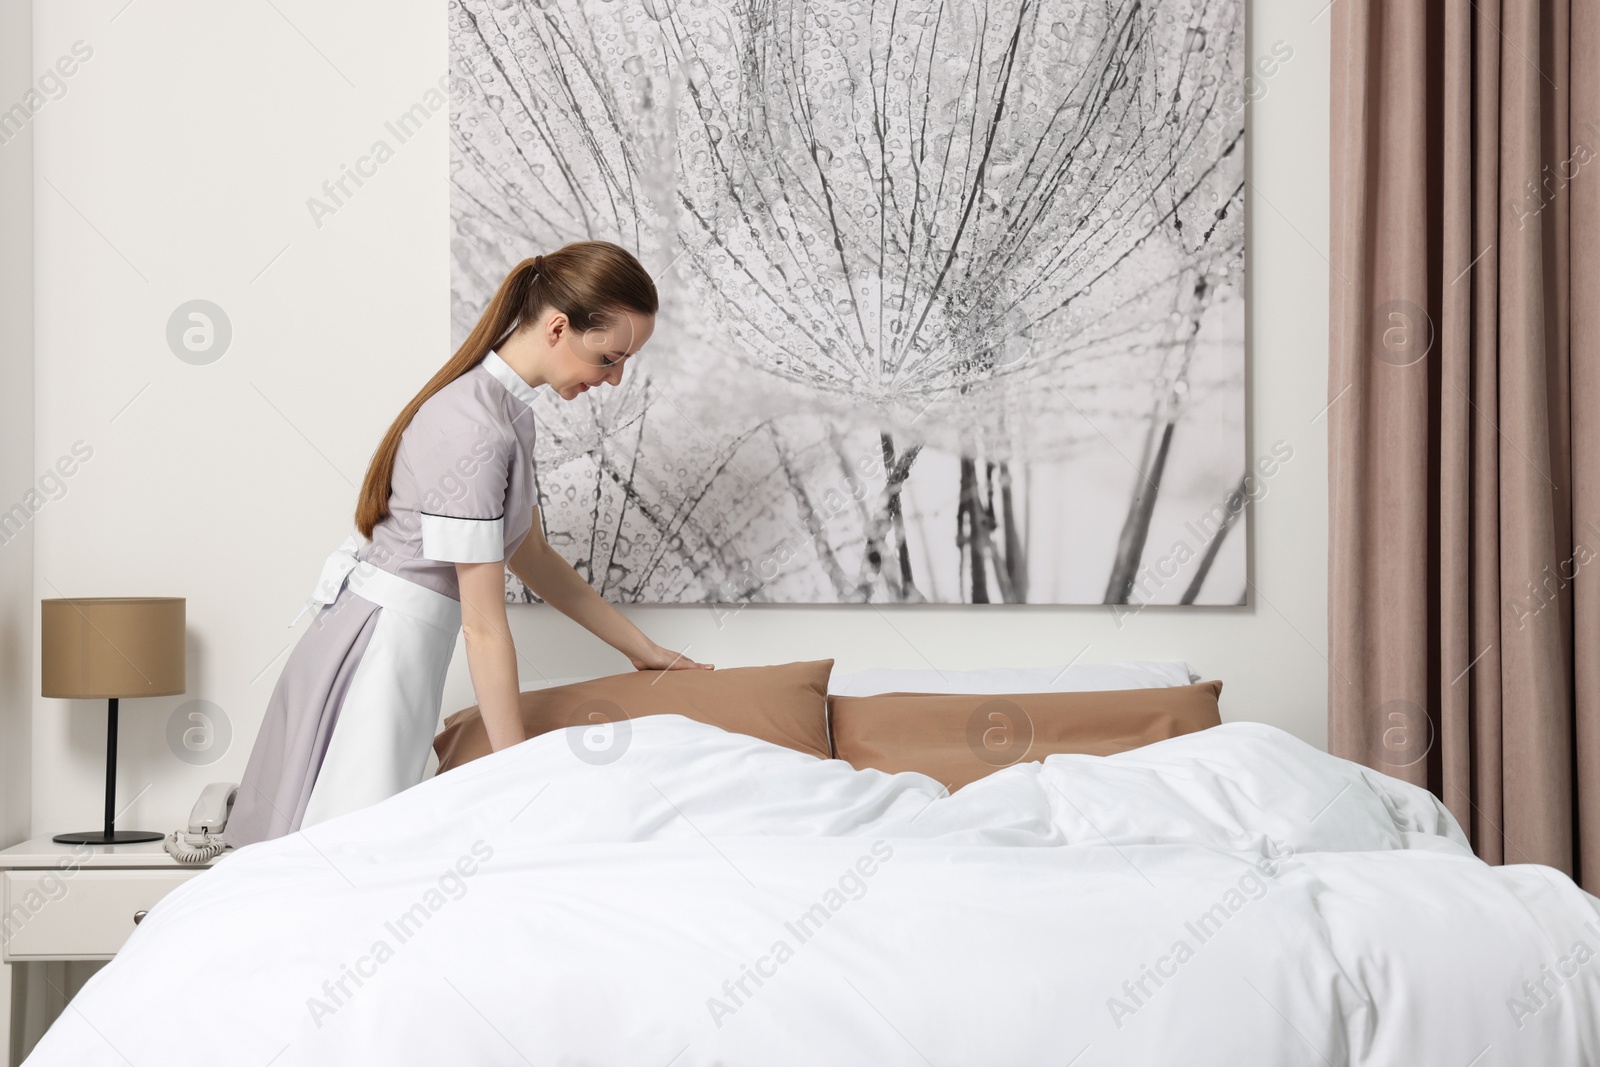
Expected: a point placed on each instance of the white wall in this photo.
(177, 166)
(16, 426)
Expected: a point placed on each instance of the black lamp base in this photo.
(110, 835)
(98, 837)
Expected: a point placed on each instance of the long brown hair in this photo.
(587, 280)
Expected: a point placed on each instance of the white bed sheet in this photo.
(1228, 897)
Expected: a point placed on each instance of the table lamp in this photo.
(112, 647)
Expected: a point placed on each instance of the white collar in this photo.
(509, 378)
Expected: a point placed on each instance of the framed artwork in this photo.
(952, 294)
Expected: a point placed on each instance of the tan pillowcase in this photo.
(785, 704)
(957, 738)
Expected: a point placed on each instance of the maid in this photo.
(449, 502)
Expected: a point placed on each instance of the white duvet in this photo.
(1230, 897)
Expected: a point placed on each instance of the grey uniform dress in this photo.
(352, 717)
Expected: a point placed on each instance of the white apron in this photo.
(386, 724)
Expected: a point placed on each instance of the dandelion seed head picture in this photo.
(952, 294)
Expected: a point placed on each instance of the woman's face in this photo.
(581, 360)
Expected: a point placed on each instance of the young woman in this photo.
(449, 502)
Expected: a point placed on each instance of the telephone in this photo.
(203, 840)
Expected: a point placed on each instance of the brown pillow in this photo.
(957, 739)
(785, 704)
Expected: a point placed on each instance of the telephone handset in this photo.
(203, 840)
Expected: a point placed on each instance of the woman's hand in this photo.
(664, 659)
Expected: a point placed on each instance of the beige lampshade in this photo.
(121, 646)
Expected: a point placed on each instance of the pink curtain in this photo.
(1464, 427)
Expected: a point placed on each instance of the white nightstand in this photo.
(72, 902)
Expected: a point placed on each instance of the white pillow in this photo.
(1079, 678)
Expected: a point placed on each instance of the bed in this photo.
(1229, 896)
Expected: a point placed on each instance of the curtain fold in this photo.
(1464, 427)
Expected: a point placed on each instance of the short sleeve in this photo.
(461, 483)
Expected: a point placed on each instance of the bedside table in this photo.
(73, 902)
